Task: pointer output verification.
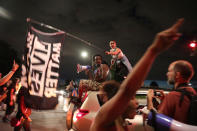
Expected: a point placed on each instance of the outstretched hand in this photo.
(15, 66)
(166, 38)
(107, 52)
(145, 110)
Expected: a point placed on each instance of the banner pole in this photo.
(68, 34)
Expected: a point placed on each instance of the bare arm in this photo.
(88, 72)
(118, 104)
(9, 75)
(150, 95)
(105, 71)
(118, 50)
(22, 105)
(25, 111)
(12, 97)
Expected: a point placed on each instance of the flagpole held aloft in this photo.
(68, 34)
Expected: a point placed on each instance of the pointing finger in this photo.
(177, 25)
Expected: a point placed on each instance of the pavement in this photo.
(50, 120)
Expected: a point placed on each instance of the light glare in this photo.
(193, 45)
(4, 13)
(84, 54)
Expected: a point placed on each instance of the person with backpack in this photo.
(176, 104)
(110, 116)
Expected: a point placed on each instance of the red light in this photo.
(80, 114)
(192, 44)
(193, 47)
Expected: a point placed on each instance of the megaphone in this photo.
(81, 68)
(165, 123)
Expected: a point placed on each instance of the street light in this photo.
(84, 54)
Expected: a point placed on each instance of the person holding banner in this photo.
(22, 119)
(110, 115)
(10, 74)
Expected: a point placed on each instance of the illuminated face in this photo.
(112, 44)
(97, 60)
(171, 74)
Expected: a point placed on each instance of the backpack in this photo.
(192, 112)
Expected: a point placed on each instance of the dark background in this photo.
(132, 23)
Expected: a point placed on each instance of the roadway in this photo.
(50, 120)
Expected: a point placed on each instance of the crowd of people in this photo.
(180, 72)
(12, 94)
(110, 116)
(113, 93)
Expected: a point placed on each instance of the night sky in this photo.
(132, 23)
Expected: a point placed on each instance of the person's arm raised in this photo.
(118, 104)
(118, 50)
(10, 74)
